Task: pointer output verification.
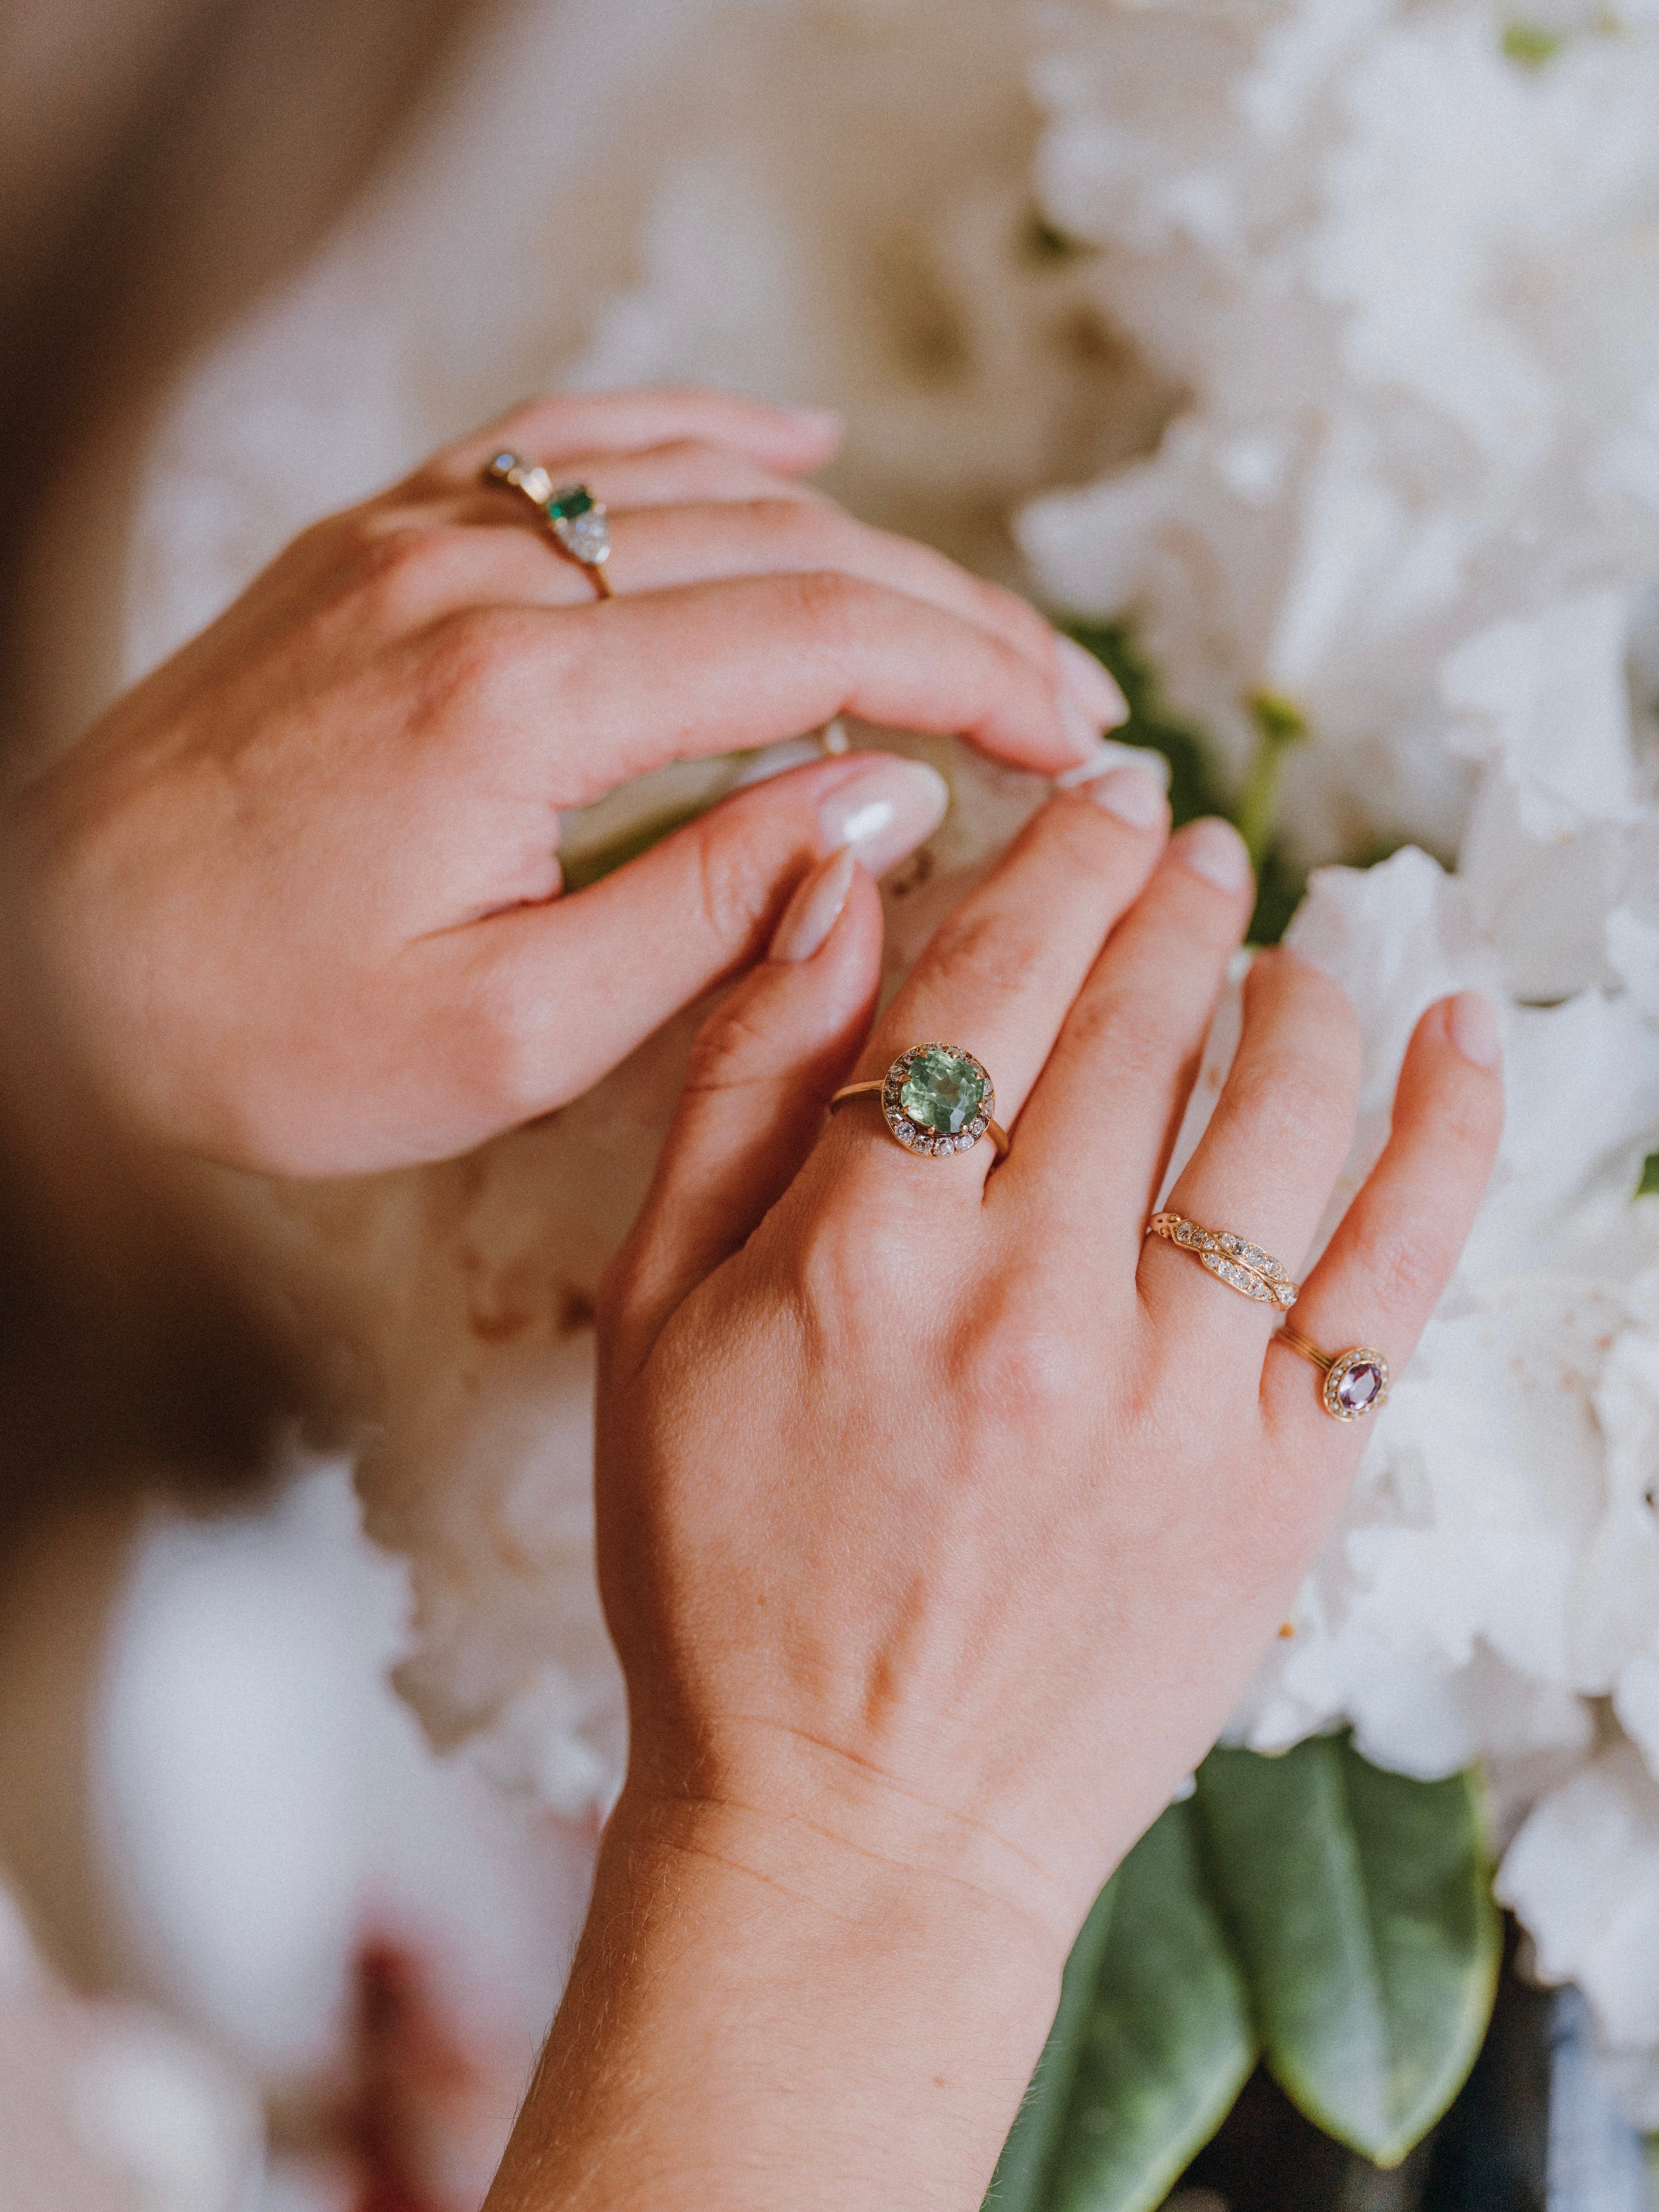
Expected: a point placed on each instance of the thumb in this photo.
(575, 985)
(761, 1071)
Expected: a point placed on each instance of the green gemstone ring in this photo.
(937, 1099)
(576, 519)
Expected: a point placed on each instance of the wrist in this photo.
(765, 2011)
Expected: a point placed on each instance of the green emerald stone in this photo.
(942, 1091)
(569, 502)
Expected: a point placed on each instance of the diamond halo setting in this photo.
(938, 1099)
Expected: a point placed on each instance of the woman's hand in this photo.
(943, 1516)
(296, 896)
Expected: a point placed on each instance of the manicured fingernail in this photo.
(815, 909)
(1133, 793)
(823, 422)
(885, 811)
(1472, 1022)
(1082, 729)
(1212, 848)
(1093, 687)
(1110, 753)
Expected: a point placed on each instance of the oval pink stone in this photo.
(1358, 1387)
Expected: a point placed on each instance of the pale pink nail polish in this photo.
(1133, 794)
(1472, 1022)
(815, 908)
(1081, 728)
(1212, 848)
(1093, 686)
(824, 421)
(884, 812)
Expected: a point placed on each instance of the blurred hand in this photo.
(296, 896)
(943, 1516)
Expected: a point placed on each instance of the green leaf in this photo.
(1649, 1182)
(1361, 1904)
(1029, 2156)
(1150, 2046)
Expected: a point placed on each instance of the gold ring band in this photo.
(573, 518)
(1356, 1381)
(1231, 1259)
(935, 1099)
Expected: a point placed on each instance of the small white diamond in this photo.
(965, 1143)
(585, 536)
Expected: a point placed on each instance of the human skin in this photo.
(295, 902)
(943, 1516)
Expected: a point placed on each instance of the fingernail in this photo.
(886, 812)
(1133, 793)
(823, 422)
(815, 910)
(1082, 729)
(1212, 848)
(1093, 686)
(1472, 1022)
(1110, 753)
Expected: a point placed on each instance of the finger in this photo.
(761, 1067)
(1115, 1086)
(1381, 1276)
(662, 548)
(1265, 1167)
(714, 667)
(997, 978)
(657, 476)
(559, 994)
(794, 440)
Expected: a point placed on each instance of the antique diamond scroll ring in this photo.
(936, 1098)
(576, 519)
(1356, 1381)
(1243, 1266)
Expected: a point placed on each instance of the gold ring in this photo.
(936, 1098)
(575, 519)
(1233, 1259)
(1356, 1381)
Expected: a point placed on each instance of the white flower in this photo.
(1583, 1876)
(1408, 284)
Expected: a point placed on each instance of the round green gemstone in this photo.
(942, 1091)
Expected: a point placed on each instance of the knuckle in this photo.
(1023, 1364)
(987, 951)
(506, 1050)
(1468, 1118)
(1016, 618)
(807, 537)
(734, 888)
(1291, 1107)
(1404, 1267)
(403, 564)
(852, 1269)
(732, 1050)
(829, 605)
(1127, 1026)
(466, 655)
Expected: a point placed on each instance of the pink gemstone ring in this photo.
(1356, 1381)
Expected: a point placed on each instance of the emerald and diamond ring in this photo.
(573, 515)
(937, 1099)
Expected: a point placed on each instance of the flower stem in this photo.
(1279, 725)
